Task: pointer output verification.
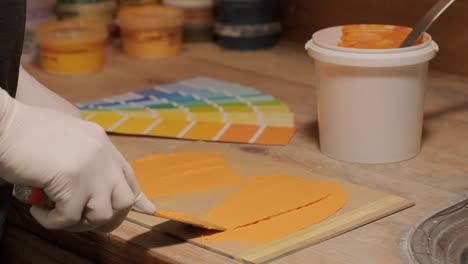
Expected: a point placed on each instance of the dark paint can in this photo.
(247, 24)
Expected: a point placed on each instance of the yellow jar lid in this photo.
(149, 16)
(71, 33)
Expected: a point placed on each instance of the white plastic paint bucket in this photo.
(370, 101)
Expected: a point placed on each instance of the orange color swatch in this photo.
(271, 134)
(287, 224)
(166, 174)
(374, 36)
(239, 133)
(263, 197)
(204, 131)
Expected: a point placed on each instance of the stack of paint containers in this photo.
(247, 24)
(102, 11)
(198, 18)
(99, 9)
(37, 12)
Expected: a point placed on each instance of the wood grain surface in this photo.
(436, 178)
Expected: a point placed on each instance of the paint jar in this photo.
(72, 46)
(370, 101)
(37, 12)
(198, 19)
(97, 10)
(247, 24)
(104, 9)
(151, 31)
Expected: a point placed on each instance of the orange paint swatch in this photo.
(281, 226)
(263, 197)
(160, 175)
(204, 131)
(276, 134)
(374, 36)
(239, 133)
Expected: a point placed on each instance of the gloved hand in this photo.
(73, 161)
(32, 92)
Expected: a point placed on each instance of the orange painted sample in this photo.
(287, 224)
(266, 208)
(263, 197)
(276, 135)
(374, 36)
(204, 131)
(167, 174)
(239, 133)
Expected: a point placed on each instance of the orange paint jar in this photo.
(72, 46)
(151, 31)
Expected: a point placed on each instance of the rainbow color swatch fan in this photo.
(196, 109)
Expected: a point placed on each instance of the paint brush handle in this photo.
(32, 196)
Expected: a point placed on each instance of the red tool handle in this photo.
(32, 196)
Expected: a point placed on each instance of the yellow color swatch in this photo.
(169, 128)
(134, 125)
(263, 197)
(106, 119)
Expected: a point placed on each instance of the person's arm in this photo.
(32, 92)
(73, 161)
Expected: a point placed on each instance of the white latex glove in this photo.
(32, 92)
(73, 161)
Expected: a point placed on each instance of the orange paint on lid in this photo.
(149, 17)
(369, 36)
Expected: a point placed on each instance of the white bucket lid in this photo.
(324, 47)
(189, 3)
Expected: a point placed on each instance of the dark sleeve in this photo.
(12, 23)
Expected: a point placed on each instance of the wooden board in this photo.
(365, 205)
(435, 178)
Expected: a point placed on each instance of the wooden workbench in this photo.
(436, 178)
